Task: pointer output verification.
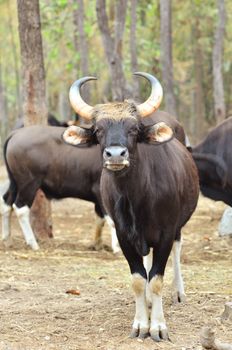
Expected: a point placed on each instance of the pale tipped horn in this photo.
(77, 103)
(154, 100)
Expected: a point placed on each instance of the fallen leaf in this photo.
(73, 291)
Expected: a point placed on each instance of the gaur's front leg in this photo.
(23, 215)
(140, 326)
(158, 328)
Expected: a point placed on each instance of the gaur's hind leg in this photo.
(100, 221)
(6, 211)
(98, 233)
(178, 284)
(114, 240)
(147, 262)
(21, 207)
(98, 244)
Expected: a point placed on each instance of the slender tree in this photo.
(199, 100)
(3, 111)
(217, 58)
(113, 45)
(15, 59)
(33, 74)
(166, 56)
(133, 47)
(33, 93)
(80, 42)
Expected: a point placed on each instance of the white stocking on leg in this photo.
(141, 320)
(114, 240)
(24, 221)
(147, 261)
(158, 328)
(178, 284)
(6, 211)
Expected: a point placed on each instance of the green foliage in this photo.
(62, 61)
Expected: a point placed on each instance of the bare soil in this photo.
(37, 313)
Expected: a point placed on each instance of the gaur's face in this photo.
(118, 128)
(117, 139)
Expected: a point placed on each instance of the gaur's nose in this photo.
(115, 152)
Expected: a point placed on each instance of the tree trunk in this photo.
(113, 45)
(80, 42)
(33, 93)
(199, 104)
(33, 74)
(218, 89)
(166, 56)
(3, 112)
(133, 48)
(15, 59)
(41, 216)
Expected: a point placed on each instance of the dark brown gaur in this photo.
(34, 150)
(214, 163)
(36, 157)
(149, 187)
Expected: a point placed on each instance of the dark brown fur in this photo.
(214, 162)
(37, 157)
(161, 179)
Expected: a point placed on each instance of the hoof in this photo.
(7, 242)
(178, 297)
(34, 246)
(139, 333)
(116, 250)
(99, 247)
(159, 335)
(134, 333)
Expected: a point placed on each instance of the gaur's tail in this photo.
(220, 165)
(11, 193)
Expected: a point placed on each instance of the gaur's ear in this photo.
(77, 136)
(157, 133)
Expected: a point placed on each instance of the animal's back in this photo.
(39, 153)
(31, 148)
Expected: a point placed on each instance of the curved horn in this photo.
(155, 98)
(77, 103)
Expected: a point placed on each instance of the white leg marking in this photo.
(6, 211)
(158, 328)
(147, 261)
(24, 221)
(114, 240)
(98, 233)
(225, 225)
(178, 284)
(141, 319)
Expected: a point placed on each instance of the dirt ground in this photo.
(37, 313)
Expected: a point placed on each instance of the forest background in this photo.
(79, 38)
